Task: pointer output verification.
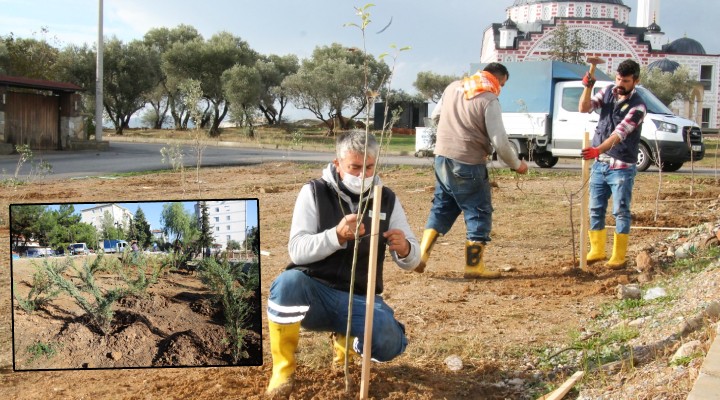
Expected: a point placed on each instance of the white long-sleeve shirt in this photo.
(307, 245)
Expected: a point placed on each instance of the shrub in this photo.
(236, 287)
(43, 290)
(99, 309)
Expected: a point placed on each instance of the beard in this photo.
(620, 91)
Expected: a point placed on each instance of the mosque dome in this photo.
(664, 65)
(684, 46)
(509, 24)
(654, 27)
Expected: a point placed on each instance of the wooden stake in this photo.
(370, 297)
(560, 392)
(584, 218)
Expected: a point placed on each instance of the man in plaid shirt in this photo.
(615, 150)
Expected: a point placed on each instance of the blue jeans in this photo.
(294, 296)
(462, 188)
(606, 182)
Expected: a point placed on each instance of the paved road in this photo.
(135, 157)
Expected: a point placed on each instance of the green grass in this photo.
(40, 349)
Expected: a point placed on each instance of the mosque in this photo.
(604, 26)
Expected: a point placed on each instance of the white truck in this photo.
(540, 114)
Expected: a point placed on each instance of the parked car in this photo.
(39, 252)
(79, 249)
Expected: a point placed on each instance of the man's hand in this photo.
(588, 81)
(346, 228)
(590, 152)
(396, 242)
(523, 168)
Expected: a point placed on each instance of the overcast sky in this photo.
(445, 36)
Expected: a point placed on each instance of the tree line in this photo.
(161, 69)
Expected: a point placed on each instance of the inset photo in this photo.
(136, 284)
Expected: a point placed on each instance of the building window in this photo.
(706, 76)
(705, 118)
(228, 227)
(228, 218)
(227, 238)
(217, 209)
(217, 229)
(217, 219)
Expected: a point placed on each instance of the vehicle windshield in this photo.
(653, 104)
(77, 246)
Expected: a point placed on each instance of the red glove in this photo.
(588, 81)
(590, 153)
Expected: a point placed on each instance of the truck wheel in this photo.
(671, 167)
(545, 160)
(644, 157)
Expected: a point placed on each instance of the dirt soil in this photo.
(494, 326)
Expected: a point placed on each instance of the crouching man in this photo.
(313, 291)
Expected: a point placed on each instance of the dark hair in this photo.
(629, 67)
(498, 70)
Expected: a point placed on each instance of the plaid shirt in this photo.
(630, 122)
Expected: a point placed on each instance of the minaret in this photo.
(648, 11)
(508, 33)
(654, 35)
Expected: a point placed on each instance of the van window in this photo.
(571, 97)
(653, 104)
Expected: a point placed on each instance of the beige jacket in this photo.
(469, 129)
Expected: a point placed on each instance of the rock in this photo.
(115, 355)
(516, 382)
(628, 292)
(638, 322)
(713, 311)
(645, 277)
(681, 253)
(507, 268)
(453, 362)
(670, 252)
(654, 293)
(644, 262)
(687, 349)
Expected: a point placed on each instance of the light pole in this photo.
(99, 77)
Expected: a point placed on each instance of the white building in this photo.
(228, 220)
(94, 215)
(604, 26)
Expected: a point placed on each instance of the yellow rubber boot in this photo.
(428, 240)
(620, 245)
(283, 343)
(474, 264)
(597, 245)
(339, 348)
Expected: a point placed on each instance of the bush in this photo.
(236, 287)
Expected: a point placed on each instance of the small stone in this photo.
(645, 277)
(687, 349)
(644, 262)
(628, 292)
(453, 362)
(115, 355)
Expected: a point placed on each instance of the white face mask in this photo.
(354, 183)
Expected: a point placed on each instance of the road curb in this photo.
(707, 385)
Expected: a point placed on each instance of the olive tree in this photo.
(206, 61)
(669, 86)
(129, 76)
(431, 85)
(332, 80)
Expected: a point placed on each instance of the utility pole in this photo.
(99, 77)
